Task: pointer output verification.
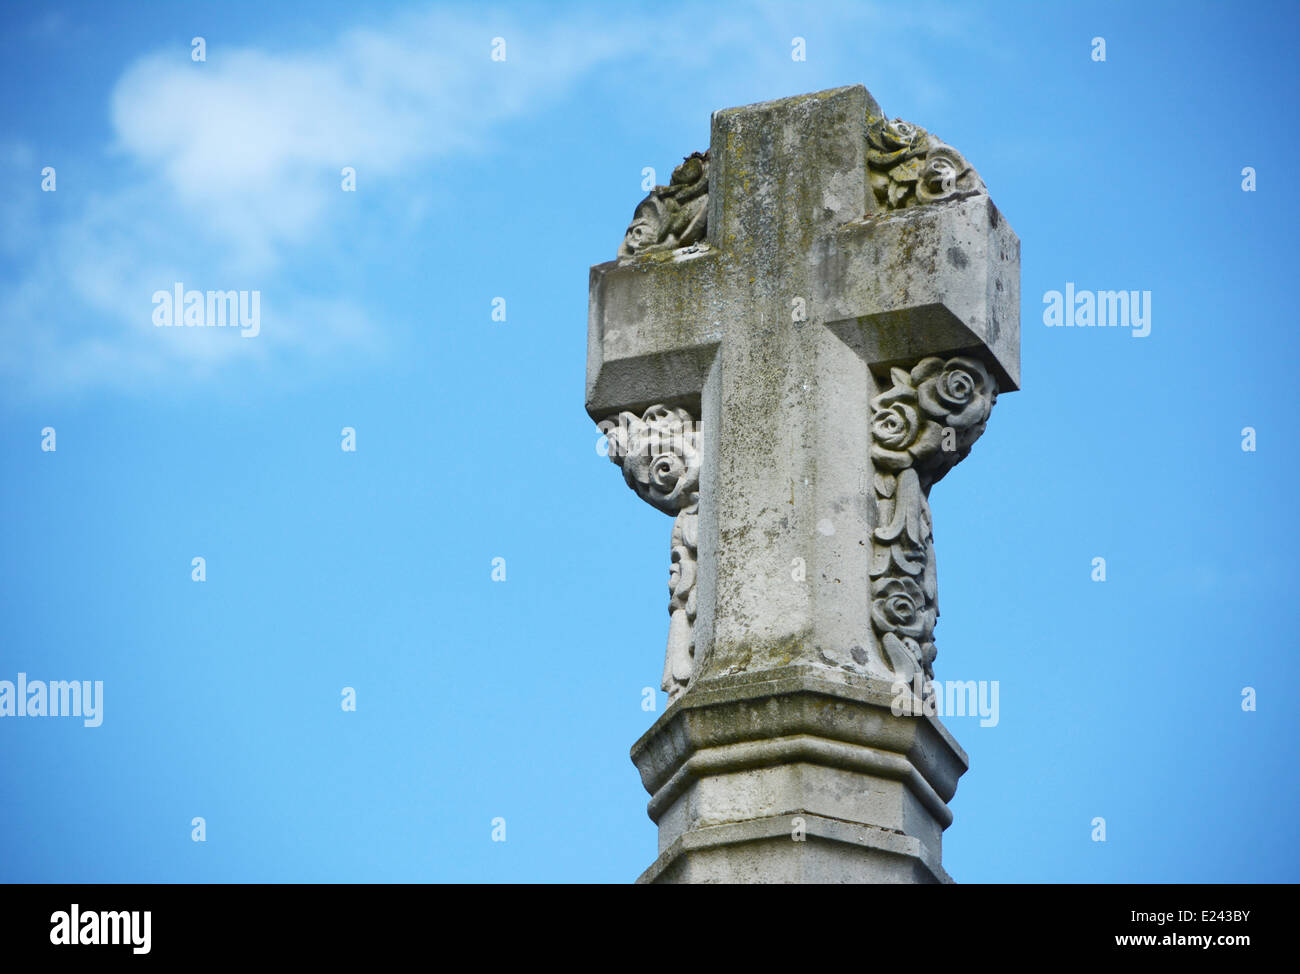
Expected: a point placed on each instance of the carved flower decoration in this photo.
(900, 435)
(908, 166)
(938, 178)
(890, 142)
(681, 573)
(959, 393)
(672, 216)
(906, 655)
(659, 454)
(945, 173)
(692, 172)
(898, 134)
(929, 418)
(646, 228)
(905, 527)
(928, 655)
(921, 426)
(898, 606)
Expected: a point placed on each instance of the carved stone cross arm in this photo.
(803, 332)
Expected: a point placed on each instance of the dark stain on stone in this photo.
(957, 258)
(859, 655)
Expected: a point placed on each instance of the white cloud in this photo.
(225, 174)
(230, 166)
(257, 140)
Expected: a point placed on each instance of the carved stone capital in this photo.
(659, 453)
(922, 426)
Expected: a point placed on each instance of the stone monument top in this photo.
(802, 333)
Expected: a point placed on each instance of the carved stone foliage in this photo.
(921, 427)
(906, 165)
(909, 166)
(659, 453)
(672, 216)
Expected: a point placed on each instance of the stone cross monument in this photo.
(803, 332)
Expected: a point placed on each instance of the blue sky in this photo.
(372, 569)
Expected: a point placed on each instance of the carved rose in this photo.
(899, 434)
(921, 426)
(888, 142)
(930, 417)
(959, 393)
(938, 179)
(659, 454)
(672, 216)
(898, 606)
(646, 228)
(692, 175)
(945, 173)
(901, 135)
(908, 166)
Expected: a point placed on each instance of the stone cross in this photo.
(802, 333)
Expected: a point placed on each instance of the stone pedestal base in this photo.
(797, 775)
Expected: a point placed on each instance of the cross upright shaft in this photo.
(838, 338)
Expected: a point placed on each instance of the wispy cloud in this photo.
(257, 139)
(225, 174)
(221, 171)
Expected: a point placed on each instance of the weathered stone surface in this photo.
(778, 762)
(834, 334)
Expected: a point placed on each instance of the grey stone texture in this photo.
(797, 774)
